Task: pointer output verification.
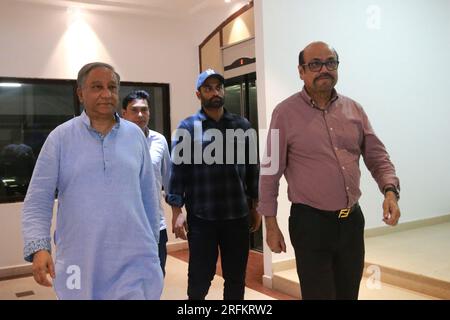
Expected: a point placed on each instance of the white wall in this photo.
(44, 41)
(396, 67)
(50, 42)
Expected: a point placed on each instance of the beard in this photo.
(214, 102)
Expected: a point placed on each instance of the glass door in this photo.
(240, 98)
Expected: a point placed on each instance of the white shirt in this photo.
(159, 152)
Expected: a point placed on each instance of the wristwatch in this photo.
(394, 190)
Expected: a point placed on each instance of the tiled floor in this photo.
(9, 289)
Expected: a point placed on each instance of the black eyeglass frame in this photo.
(316, 66)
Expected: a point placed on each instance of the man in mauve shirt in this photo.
(322, 135)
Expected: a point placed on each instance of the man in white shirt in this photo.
(135, 108)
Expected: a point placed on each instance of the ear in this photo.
(198, 95)
(301, 71)
(80, 94)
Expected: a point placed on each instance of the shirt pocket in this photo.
(350, 136)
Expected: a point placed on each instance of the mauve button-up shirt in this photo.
(319, 153)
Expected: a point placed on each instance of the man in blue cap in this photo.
(218, 185)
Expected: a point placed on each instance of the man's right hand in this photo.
(179, 225)
(274, 237)
(43, 264)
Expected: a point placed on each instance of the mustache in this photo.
(324, 76)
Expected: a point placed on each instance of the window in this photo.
(31, 108)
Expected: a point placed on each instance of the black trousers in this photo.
(205, 238)
(162, 249)
(329, 252)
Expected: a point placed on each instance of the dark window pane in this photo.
(28, 112)
(31, 108)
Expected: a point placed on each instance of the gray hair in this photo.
(84, 72)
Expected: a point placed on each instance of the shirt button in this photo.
(331, 129)
(347, 188)
(343, 168)
(335, 148)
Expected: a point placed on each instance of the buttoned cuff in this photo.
(175, 200)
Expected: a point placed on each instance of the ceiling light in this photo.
(10, 84)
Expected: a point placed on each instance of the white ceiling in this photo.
(161, 8)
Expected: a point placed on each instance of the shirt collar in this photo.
(85, 119)
(305, 96)
(147, 132)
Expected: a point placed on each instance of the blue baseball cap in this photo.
(207, 74)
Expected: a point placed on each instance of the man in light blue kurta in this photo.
(107, 226)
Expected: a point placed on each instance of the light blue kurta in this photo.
(159, 151)
(107, 226)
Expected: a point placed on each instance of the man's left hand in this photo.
(391, 211)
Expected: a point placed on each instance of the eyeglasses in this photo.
(317, 65)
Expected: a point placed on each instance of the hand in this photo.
(391, 211)
(43, 264)
(274, 237)
(179, 225)
(255, 220)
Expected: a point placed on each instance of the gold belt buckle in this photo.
(344, 213)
